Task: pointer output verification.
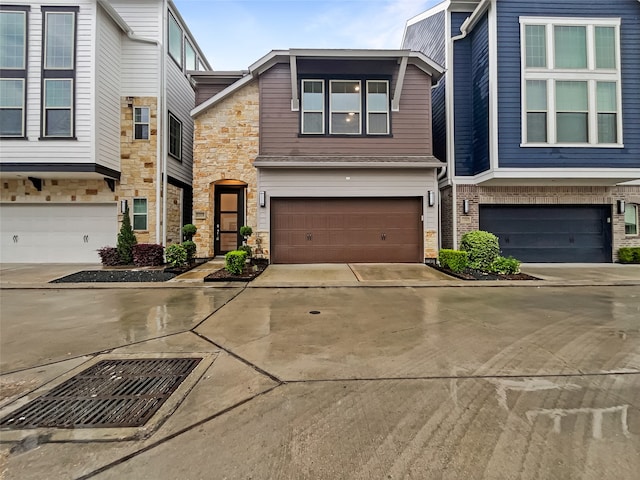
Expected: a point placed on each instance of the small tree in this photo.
(189, 230)
(126, 239)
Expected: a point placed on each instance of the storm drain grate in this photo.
(112, 393)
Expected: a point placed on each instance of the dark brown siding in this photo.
(279, 126)
(339, 230)
(205, 92)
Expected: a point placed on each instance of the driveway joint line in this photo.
(218, 309)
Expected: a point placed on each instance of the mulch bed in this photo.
(249, 272)
(471, 274)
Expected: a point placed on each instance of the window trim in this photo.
(332, 111)
(179, 154)
(179, 61)
(303, 111)
(636, 207)
(188, 44)
(145, 214)
(45, 108)
(15, 73)
(147, 123)
(46, 13)
(368, 112)
(590, 74)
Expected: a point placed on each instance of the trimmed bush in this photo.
(454, 260)
(126, 239)
(246, 231)
(505, 266)
(148, 254)
(109, 256)
(190, 247)
(189, 230)
(483, 249)
(629, 255)
(234, 261)
(247, 249)
(176, 255)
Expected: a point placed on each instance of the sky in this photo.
(233, 34)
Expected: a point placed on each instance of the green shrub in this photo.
(629, 255)
(234, 261)
(454, 260)
(247, 249)
(505, 266)
(191, 248)
(148, 254)
(246, 231)
(126, 239)
(189, 230)
(109, 256)
(176, 255)
(483, 249)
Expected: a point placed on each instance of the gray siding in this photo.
(108, 92)
(360, 183)
(279, 126)
(204, 92)
(428, 36)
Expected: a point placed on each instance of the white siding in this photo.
(348, 183)
(108, 92)
(57, 151)
(180, 100)
(140, 61)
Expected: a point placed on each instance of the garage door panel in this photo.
(551, 233)
(347, 230)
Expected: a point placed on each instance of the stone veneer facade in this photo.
(226, 142)
(538, 195)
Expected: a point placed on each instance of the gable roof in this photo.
(274, 57)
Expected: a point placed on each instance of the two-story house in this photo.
(95, 104)
(538, 118)
(326, 154)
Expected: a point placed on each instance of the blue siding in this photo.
(510, 152)
(471, 98)
(427, 36)
(439, 120)
(457, 19)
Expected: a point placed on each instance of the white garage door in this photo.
(58, 233)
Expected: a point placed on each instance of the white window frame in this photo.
(590, 75)
(147, 123)
(45, 108)
(636, 208)
(332, 111)
(369, 111)
(26, 38)
(177, 156)
(22, 109)
(303, 111)
(188, 45)
(180, 51)
(145, 214)
(73, 41)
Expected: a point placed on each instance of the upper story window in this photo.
(190, 57)
(351, 111)
(571, 82)
(58, 72)
(141, 123)
(13, 70)
(175, 137)
(175, 40)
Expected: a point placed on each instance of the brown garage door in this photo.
(337, 230)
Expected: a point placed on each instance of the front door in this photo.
(228, 218)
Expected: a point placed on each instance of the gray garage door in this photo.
(553, 233)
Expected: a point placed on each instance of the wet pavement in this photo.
(336, 382)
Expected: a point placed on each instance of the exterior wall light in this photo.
(123, 206)
(431, 198)
(262, 199)
(620, 207)
(465, 206)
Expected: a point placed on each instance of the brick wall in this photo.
(446, 217)
(226, 143)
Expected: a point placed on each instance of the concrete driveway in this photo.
(340, 382)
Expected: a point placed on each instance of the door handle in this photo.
(309, 236)
(217, 231)
(383, 236)
(15, 238)
(86, 239)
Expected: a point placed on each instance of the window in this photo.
(571, 82)
(175, 137)
(141, 123)
(377, 107)
(58, 108)
(312, 106)
(344, 105)
(140, 214)
(13, 62)
(58, 72)
(175, 40)
(190, 58)
(631, 219)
